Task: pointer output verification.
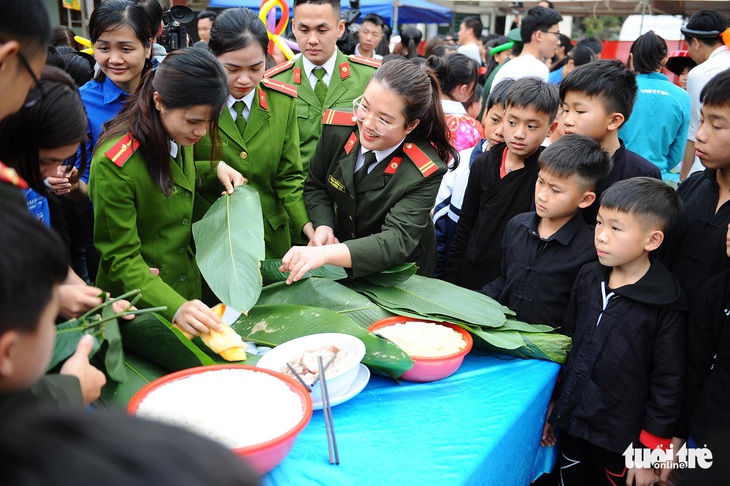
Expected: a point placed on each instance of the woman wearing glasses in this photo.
(374, 177)
(258, 130)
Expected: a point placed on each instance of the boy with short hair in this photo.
(597, 99)
(369, 35)
(34, 265)
(694, 253)
(545, 248)
(539, 33)
(324, 77)
(501, 184)
(622, 385)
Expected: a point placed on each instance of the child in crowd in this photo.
(597, 99)
(622, 384)
(694, 252)
(33, 266)
(501, 184)
(546, 248)
(451, 193)
(705, 420)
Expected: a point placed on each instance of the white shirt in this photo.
(523, 66)
(698, 77)
(379, 156)
(452, 107)
(328, 66)
(358, 53)
(173, 149)
(247, 100)
(470, 50)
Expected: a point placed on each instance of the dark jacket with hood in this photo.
(624, 375)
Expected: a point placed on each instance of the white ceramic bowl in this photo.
(337, 383)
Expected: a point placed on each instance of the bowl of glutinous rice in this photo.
(436, 348)
(256, 412)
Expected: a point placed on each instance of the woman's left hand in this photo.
(301, 259)
(229, 177)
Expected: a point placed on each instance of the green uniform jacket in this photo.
(268, 156)
(137, 227)
(343, 89)
(385, 221)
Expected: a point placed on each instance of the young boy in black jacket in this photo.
(622, 385)
(502, 184)
(545, 249)
(597, 99)
(695, 250)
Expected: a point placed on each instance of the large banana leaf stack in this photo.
(229, 249)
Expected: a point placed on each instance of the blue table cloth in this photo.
(480, 426)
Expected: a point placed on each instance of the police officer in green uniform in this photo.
(142, 186)
(324, 77)
(258, 131)
(374, 177)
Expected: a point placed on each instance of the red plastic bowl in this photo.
(261, 457)
(427, 368)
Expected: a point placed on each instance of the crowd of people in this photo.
(521, 166)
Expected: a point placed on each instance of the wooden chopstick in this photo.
(328, 422)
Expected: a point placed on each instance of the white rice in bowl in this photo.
(424, 339)
(239, 408)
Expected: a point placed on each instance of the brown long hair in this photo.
(186, 78)
(421, 95)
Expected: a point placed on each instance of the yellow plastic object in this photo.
(228, 344)
(86, 43)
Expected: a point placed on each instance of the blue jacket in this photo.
(657, 127)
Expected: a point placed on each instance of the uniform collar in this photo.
(452, 107)
(247, 100)
(328, 66)
(380, 155)
(173, 149)
(564, 235)
(111, 91)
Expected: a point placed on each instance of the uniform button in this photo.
(188, 194)
(182, 278)
(185, 222)
(244, 155)
(409, 145)
(181, 251)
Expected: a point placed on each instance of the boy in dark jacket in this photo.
(545, 249)
(622, 385)
(502, 184)
(597, 99)
(695, 250)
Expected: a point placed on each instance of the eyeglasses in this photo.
(380, 126)
(550, 32)
(36, 94)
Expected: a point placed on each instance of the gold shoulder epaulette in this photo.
(338, 117)
(280, 68)
(366, 61)
(419, 157)
(123, 149)
(280, 86)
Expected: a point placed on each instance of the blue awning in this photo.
(409, 11)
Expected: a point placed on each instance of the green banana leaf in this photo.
(112, 346)
(153, 338)
(324, 293)
(394, 275)
(271, 325)
(68, 336)
(140, 372)
(229, 243)
(515, 325)
(271, 273)
(429, 298)
(529, 345)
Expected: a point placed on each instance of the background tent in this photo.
(409, 11)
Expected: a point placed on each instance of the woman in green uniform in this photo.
(142, 187)
(374, 177)
(258, 131)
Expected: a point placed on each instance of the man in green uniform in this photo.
(324, 77)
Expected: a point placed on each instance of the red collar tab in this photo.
(350, 143)
(393, 166)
